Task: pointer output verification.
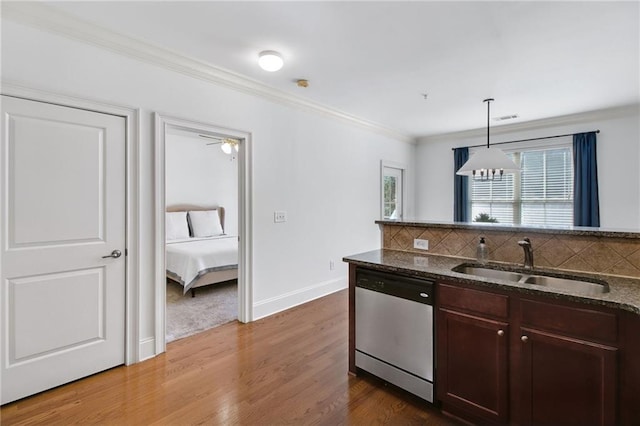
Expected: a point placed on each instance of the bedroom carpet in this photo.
(213, 305)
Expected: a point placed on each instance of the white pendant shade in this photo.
(489, 163)
(487, 159)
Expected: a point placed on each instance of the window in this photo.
(392, 183)
(542, 194)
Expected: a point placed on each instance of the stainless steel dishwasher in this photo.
(394, 330)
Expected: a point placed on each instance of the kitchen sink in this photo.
(586, 286)
(487, 272)
(571, 284)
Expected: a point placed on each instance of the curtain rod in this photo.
(525, 140)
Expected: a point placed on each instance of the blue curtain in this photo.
(460, 192)
(586, 207)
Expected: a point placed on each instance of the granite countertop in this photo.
(483, 226)
(624, 293)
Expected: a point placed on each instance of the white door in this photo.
(62, 192)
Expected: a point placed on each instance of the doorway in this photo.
(234, 219)
(201, 196)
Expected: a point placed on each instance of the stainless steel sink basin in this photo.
(580, 286)
(488, 273)
(586, 286)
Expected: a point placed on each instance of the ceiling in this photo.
(376, 60)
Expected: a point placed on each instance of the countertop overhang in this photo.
(624, 293)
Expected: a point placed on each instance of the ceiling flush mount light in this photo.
(270, 60)
(490, 163)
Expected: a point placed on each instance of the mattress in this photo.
(189, 259)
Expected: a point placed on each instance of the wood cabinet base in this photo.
(531, 361)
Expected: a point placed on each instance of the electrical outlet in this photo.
(421, 244)
(332, 265)
(279, 216)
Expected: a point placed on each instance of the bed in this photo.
(197, 250)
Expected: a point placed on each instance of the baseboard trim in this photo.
(298, 297)
(147, 348)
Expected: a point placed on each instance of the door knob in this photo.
(524, 339)
(501, 333)
(115, 254)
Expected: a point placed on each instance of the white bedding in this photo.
(187, 260)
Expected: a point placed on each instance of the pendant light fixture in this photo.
(490, 163)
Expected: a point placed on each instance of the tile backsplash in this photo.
(582, 253)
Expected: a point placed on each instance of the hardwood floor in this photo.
(290, 368)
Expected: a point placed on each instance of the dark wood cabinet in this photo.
(568, 366)
(566, 381)
(629, 371)
(472, 366)
(472, 354)
(503, 358)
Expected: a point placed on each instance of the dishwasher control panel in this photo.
(416, 289)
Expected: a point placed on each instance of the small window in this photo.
(541, 194)
(392, 190)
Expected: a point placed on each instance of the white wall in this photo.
(618, 156)
(202, 175)
(323, 172)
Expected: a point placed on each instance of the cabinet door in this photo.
(472, 365)
(567, 381)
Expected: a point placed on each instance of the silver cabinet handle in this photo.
(424, 295)
(115, 254)
(524, 339)
(500, 333)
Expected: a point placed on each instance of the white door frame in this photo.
(245, 282)
(132, 231)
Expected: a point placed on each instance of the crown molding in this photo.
(44, 17)
(545, 123)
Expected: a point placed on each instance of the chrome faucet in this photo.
(528, 252)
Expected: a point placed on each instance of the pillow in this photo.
(205, 223)
(176, 226)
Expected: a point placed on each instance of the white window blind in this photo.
(542, 194)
